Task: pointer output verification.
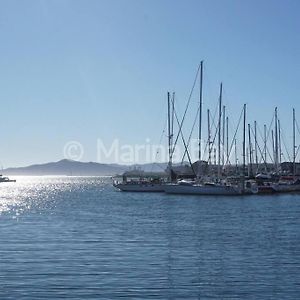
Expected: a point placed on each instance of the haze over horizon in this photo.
(100, 70)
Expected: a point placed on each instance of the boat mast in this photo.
(250, 152)
(273, 146)
(172, 121)
(294, 144)
(276, 140)
(235, 157)
(169, 136)
(200, 109)
(219, 131)
(227, 141)
(215, 156)
(244, 148)
(223, 137)
(209, 135)
(265, 146)
(255, 146)
(279, 141)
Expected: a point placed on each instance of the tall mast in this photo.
(219, 131)
(169, 134)
(279, 142)
(172, 120)
(235, 156)
(294, 144)
(276, 140)
(273, 145)
(250, 152)
(247, 160)
(223, 137)
(200, 109)
(209, 135)
(244, 143)
(227, 141)
(215, 156)
(255, 146)
(265, 146)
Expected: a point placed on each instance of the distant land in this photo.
(76, 168)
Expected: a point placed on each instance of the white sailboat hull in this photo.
(202, 189)
(284, 188)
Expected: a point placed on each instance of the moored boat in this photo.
(139, 186)
(140, 181)
(210, 188)
(287, 186)
(202, 189)
(266, 189)
(6, 179)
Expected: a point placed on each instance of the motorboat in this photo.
(6, 179)
(140, 181)
(139, 186)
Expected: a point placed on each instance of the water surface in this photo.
(78, 238)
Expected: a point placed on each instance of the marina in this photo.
(260, 171)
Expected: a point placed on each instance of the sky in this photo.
(99, 70)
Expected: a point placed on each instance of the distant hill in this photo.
(70, 167)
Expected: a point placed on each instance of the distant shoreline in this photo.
(67, 167)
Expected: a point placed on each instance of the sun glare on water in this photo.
(28, 193)
(38, 193)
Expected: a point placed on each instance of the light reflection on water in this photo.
(33, 192)
(76, 237)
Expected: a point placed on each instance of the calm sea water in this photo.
(78, 238)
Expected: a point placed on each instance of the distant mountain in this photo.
(67, 167)
(70, 167)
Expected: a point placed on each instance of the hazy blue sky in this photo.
(83, 70)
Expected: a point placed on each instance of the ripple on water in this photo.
(76, 237)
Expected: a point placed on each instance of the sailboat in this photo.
(289, 183)
(201, 187)
(140, 181)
